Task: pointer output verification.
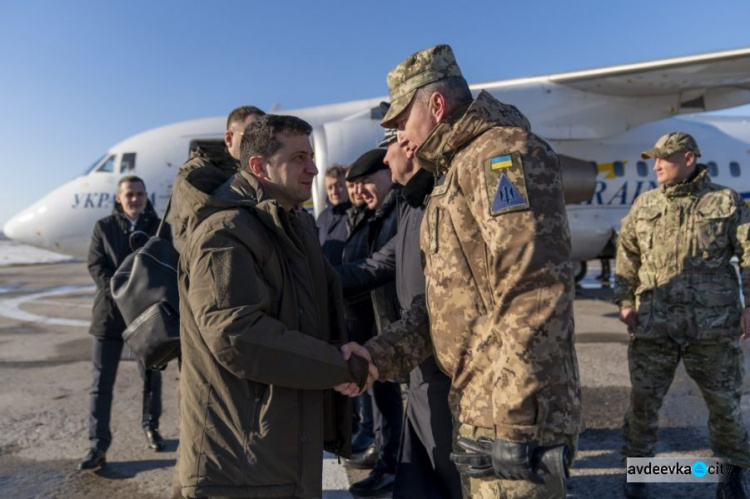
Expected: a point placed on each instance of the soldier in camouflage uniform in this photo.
(499, 292)
(678, 294)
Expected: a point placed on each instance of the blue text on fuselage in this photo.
(623, 196)
(96, 200)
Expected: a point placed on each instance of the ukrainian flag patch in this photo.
(504, 161)
(506, 184)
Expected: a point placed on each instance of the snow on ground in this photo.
(13, 253)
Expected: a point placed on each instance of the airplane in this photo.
(597, 120)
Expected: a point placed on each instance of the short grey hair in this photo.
(455, 89)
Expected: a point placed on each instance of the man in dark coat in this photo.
(260, 322)
(332, 221)
(424, 468)
(370, 310)
(110, 244)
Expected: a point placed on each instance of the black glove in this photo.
(507, 460)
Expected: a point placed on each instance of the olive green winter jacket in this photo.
(673, 261)
(261, 322)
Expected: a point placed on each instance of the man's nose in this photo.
(311, 168)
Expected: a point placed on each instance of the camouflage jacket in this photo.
(499, 279)
(673, 261)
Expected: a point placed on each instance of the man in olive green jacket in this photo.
(260, 313)
(677, 291)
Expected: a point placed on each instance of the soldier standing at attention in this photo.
(499, 281)
(678, 295)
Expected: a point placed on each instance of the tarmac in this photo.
(45, 369)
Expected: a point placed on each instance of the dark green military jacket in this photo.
(673, 261)
(260, 323)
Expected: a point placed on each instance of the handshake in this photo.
(354, 389)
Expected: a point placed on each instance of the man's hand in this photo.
(629, 317)
(746, 323)
(351, 389)
(506, 460)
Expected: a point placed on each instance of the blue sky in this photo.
(78, 76)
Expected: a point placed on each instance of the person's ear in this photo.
(438, 106)
(257, 166)
(690, 158)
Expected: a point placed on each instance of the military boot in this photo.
(634, 490)
(734, 485)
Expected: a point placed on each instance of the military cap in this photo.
(419, 69)
(370, 162)
(671, 143)
(388, 137)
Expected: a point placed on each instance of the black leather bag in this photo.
(144, 288)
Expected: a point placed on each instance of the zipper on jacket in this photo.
(259, 390)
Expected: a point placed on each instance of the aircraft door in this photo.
(340, 142)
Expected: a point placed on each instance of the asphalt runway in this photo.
(45, 370)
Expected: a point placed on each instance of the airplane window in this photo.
(734, 169)
(642, 169)
(128, 162)
(619, 168)
(713, 170)
(107, 166)
(93, 165)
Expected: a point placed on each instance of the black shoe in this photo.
(634, 490)
(733, 487)
(379, 482)
(364, 460)
(155, 441)
(361, 442)
(93, 460)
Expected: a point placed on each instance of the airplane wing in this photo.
(603, 102)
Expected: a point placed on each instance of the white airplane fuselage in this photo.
(63, 220)
(605, 116)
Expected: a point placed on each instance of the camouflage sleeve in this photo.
(403, 344)
(627, 263)
(530, 285)
(740, 235)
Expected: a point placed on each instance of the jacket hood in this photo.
(698, 182)
(464, 125)
(193, 196)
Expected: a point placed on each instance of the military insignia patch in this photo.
(506, 184)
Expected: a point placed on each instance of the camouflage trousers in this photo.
(493, 487)
(717, 369)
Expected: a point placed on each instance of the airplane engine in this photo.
(579, 179)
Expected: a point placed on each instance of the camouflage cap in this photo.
(416, 71)
(671, 143)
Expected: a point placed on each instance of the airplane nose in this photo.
(25, 228)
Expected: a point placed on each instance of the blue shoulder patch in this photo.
(507, 196)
